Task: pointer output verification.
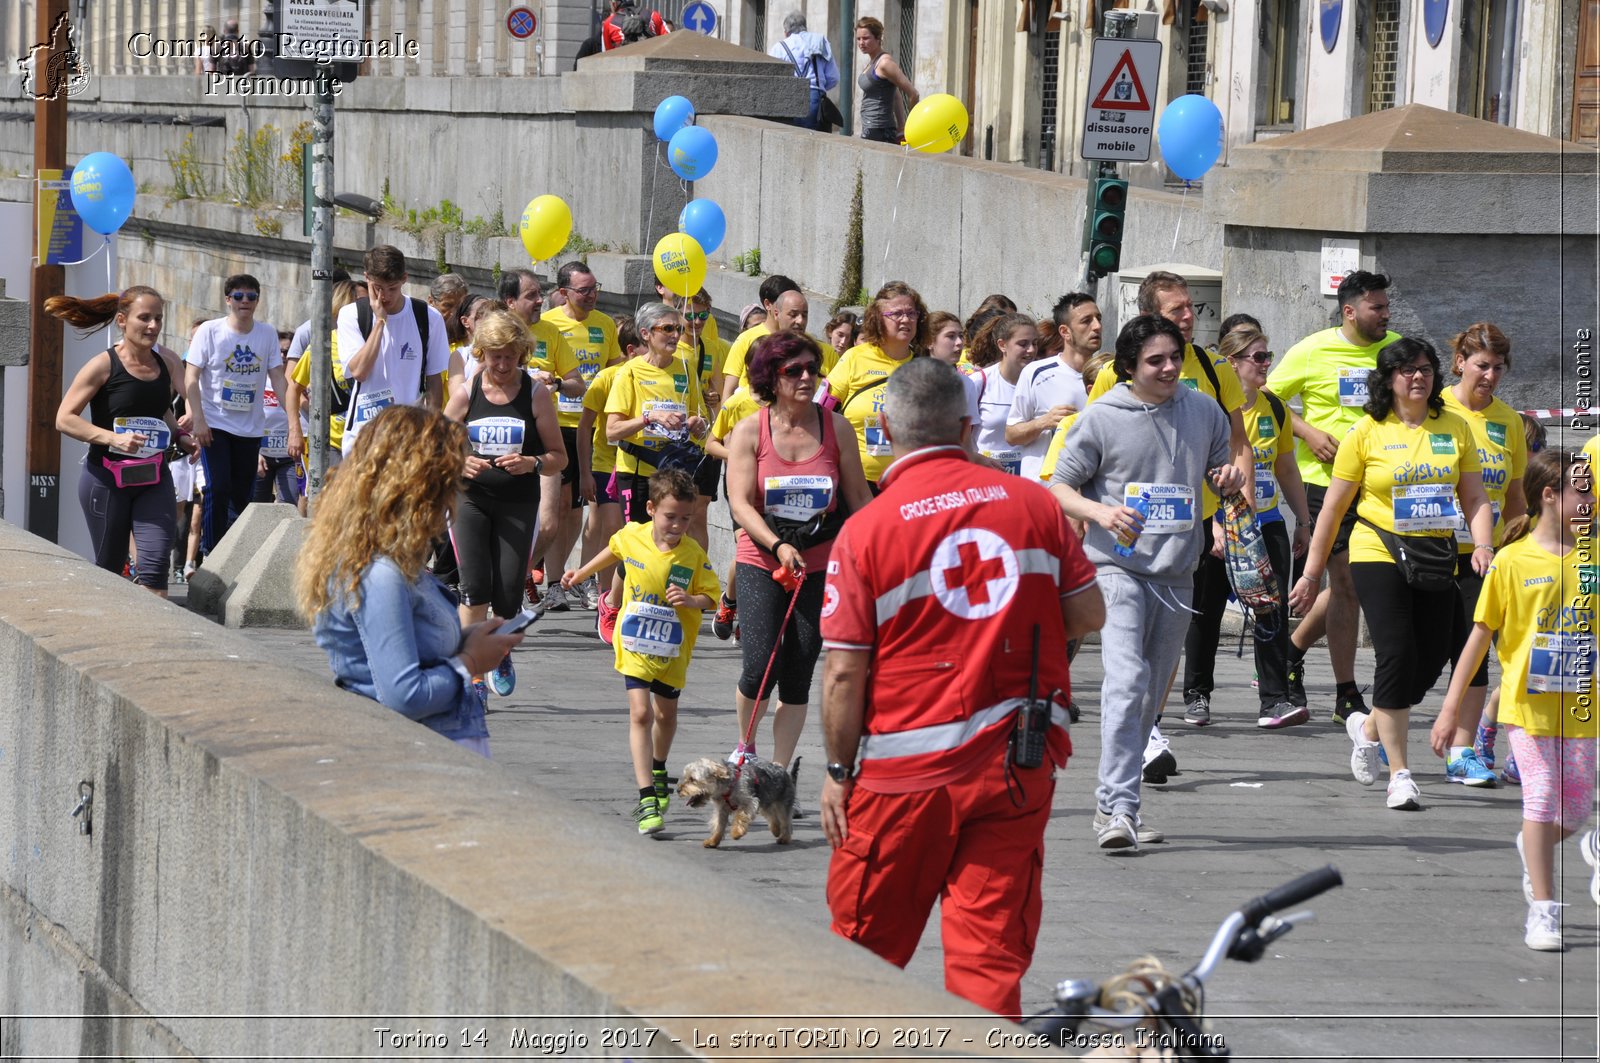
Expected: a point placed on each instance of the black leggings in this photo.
(493, 539)
(1272, 627)
(1205, 628)
(1413, 632)
(1471, 585)
(112, 512)
(762, 603)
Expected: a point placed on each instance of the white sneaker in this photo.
(1527, 881)
(589, 591)
(1158, 759)
(1403, 793)
(1363, 753)
(1544, 926)
(1118, 832)
(1589, 849)
(1146, 835)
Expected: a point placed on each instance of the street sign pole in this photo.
(42, 502)
(1119, 110)
(322, 285)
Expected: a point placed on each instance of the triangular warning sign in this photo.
(1122, 90)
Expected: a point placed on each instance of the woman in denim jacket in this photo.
(388, 625)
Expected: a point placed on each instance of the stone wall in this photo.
(277, 848)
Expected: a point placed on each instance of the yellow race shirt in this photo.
(710, 359)
(1266, 446)
(641, 387)
(1192, 376)
(593, 342)
(738, 362)
(1502, 454)
(1047, 471)
(1329, 374)
(603, 458)
(857, 383)
(654, 640)
(302, 376)
(735, 409)
(550, 350)
(1591, 450)
(1406, 477)
(1542, 606)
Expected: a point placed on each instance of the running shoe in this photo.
(1347, 705)
(480, 688)
(1589, 849)
(741, 753)
(555, 598)
(589, 591)
(1363, 752)
(504, 677)
(1118, 832)
(1283, 714)
(1468, 770)
(1543, 929)
(188, 570)
(531, 587)
(1146, 835)
(1295, 681)
(1527, 879)
(663, 786)
(1158, 759)
(1510, 773)
(176, 575)
(605, 619)
(1198, 711)
(722, 624)
(1403, 793)
(1484, 743)
(648, 816)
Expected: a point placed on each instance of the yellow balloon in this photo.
(546, 224)
(936, 124)
(680, 264)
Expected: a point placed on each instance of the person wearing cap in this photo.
(611, 35)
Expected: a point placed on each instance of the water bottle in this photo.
(1125, 541)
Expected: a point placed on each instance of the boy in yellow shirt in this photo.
(667, 583)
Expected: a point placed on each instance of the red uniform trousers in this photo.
(965, 843)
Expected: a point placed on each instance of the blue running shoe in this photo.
(504, 677)
(1468, 770)
(480, 688)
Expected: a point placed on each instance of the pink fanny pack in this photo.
(135, 472)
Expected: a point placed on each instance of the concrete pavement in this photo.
(1420, 954)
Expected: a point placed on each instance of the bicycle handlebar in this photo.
(1290, 894)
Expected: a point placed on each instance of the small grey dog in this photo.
(760, 786)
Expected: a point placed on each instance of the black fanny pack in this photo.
(803, 534)
(1426, 562)
(672, 455)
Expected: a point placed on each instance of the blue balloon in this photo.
(103, 191)
(672, 114)
(703, 220)
(1190, 134)
(692, 152)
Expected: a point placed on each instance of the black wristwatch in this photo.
(841, 772)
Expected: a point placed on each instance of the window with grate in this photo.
(1198, 56)
(1385, 55)
(1049, 116)
(906, 56)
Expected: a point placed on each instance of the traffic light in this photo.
(1102, 230)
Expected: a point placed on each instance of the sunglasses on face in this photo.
(795, 370)
(697, 315)
(244, 297)
(1260, 357)
(668, 330)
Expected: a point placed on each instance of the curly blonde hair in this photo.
(498, 329)
(390, 498)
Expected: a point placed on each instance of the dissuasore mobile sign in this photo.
(1119, 114)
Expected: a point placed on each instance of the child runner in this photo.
(667, 583)
(1539, 596)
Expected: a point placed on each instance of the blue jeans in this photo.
(230, 463)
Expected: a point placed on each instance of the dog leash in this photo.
(777, 644)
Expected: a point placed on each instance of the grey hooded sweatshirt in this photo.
(1119, 440)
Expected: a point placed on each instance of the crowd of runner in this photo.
(1387, 479)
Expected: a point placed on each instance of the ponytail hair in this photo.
(985, 350)
(1548, 468)
(87, 315)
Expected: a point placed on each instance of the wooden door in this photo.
(1586, 76)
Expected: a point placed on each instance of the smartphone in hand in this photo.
(523, 620)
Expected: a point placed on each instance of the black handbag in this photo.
(1426, 562)
(828, 114)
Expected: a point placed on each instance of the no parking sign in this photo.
(521, 23)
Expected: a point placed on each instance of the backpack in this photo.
(419, 312)
(233, 60)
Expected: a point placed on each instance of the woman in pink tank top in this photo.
(794, 474)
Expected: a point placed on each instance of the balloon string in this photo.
(110, 287)
(893, 215)
(1179, 227)
(90, 255)
(650, 218)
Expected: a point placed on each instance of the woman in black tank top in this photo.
(514, 438)
(125, 487)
